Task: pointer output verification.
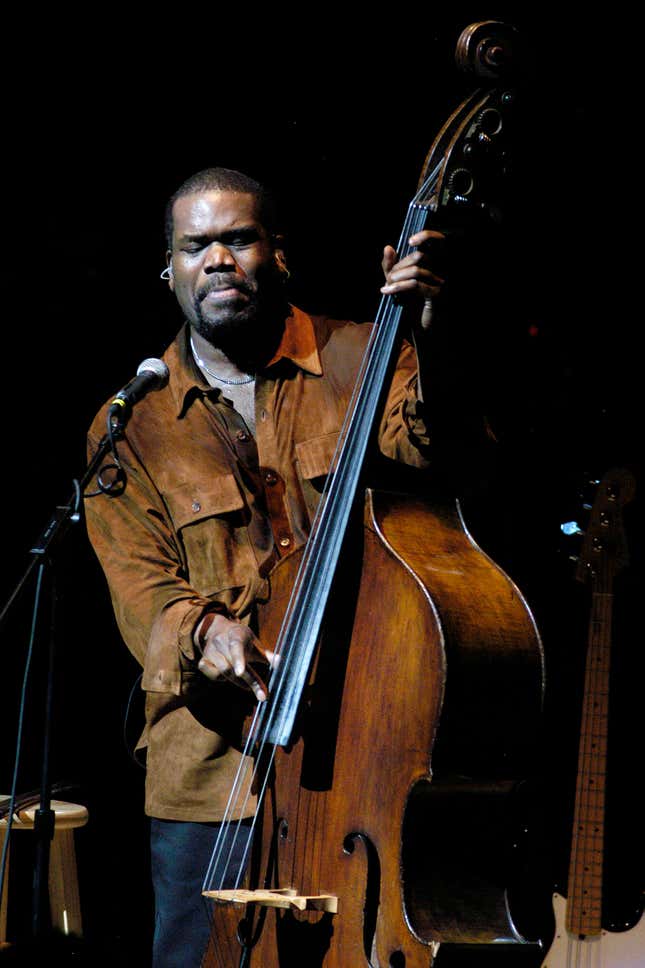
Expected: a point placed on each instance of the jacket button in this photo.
(196, 506)
(270, 477)
(285, 542)
(242, 435)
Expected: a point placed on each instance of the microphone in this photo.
(152, 374)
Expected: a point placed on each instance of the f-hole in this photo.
(372, 888)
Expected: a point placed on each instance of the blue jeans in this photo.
(180, 855)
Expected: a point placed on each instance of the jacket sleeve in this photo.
(403, 433)
(156, 608)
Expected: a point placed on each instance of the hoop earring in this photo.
(282, 266)
(166, 275)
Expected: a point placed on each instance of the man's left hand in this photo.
(412, 278)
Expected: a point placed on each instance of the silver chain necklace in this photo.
(220, 379)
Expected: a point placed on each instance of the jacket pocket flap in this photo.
(197, 499)
(315, 455)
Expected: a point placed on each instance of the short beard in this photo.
(250, 337)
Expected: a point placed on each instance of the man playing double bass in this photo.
(223, 470)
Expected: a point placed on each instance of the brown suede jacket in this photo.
(206, 513)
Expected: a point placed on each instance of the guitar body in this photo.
(441, 651)
(609, 949)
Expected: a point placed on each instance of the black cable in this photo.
(21, 717)
(131, 753)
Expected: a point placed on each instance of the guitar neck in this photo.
(584, 892)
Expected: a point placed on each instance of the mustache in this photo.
(224, 282)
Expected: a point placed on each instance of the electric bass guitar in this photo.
(580, 939)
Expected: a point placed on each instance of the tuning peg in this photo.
(571, 527)
(588, 491)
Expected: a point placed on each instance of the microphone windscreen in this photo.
(158, 367)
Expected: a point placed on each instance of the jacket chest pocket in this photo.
(315, 455)
(314, 460)
(211, 518)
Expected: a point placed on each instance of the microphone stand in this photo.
(42, 560)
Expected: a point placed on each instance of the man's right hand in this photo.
(230, 651)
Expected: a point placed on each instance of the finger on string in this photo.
(249, 679)
(243, 674)
(254, 682)
(400, 286)
(271, 657)
(389, 258)
(426, 237)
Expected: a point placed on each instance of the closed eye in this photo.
(235, 239)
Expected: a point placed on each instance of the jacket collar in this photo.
(298, 345)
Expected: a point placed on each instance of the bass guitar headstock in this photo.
(604, 550)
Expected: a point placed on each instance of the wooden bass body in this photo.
(429, 652)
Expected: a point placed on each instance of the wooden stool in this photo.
(64, 897)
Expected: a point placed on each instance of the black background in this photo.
(102, 119)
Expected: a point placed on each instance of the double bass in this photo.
(428, 692)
